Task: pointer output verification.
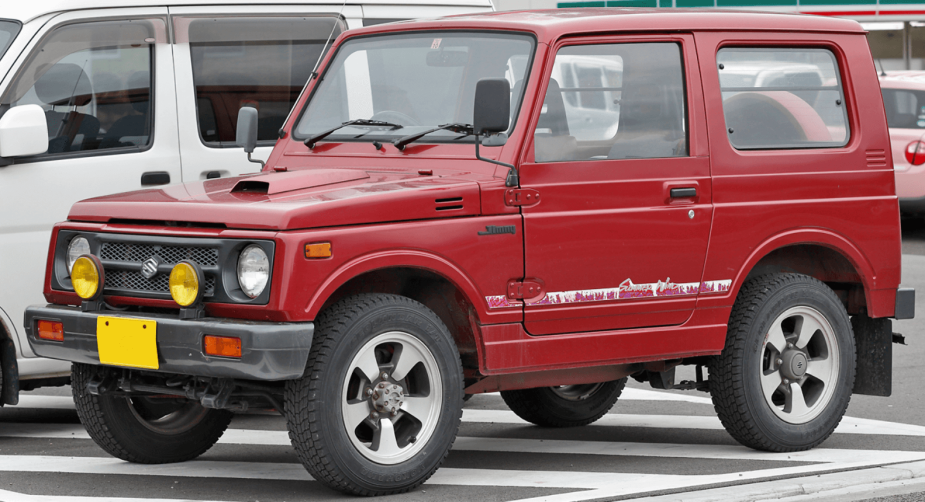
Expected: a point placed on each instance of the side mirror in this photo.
(23, 131)
(246, 133)
(492, 113)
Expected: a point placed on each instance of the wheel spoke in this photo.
(367, 364)
(408, 358)
(808, 327)
(417, 407)
(796, 403)
(820, 368)
(776, 337)
(354, 413)
(770, 383)
(385, 442)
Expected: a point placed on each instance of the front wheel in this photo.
(380, 403)
(146, 430)
(564, 405)
(784, 378)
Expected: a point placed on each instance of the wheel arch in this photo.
(9, 384)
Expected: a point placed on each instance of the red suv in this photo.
(537, 203)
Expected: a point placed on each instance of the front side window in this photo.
(259, 62)
(8, 31)
(94, 82)
(415, 82)
(905, 109)
(782, 98)
(615, 101)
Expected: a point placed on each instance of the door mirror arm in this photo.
(512, 179)
(491, 116)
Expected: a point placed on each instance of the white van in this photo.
(135, 96)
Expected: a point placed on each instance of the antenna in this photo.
(882, 72)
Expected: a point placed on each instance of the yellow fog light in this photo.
(87, 277)
(186, 283)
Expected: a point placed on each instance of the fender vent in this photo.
(449, 204)
(876, 158)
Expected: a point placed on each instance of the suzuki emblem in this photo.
(149, 267)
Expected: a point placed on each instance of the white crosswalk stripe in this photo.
(579, 485)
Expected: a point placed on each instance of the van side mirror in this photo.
(492, 113)
(23, 131)
(246, 132)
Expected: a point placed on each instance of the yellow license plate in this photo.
(127, 342)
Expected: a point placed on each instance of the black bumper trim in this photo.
(905, 303)
(270, 351)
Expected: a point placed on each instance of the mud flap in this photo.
(9, 385)
(874, 341)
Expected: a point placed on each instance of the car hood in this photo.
(291, 200)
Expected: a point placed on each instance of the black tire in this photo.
(566, 406)
(316, 405)
(172, 431)
(748, 359)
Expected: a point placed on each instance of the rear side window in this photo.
(259, 62)
(782, 98)
(905, 109)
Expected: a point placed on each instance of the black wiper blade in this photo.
(310, 142)
(455, 127)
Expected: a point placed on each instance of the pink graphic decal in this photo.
(627, 290)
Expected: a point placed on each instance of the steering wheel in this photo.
(395, 117)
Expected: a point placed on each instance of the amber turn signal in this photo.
(50, 330)
(225, 346)
(318, 250)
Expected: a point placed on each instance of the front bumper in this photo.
(269, 351)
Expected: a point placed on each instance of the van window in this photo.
(94, 82)
(782, 98)
(616, 101)
(905, 109)
(259, 62)
(8, 31)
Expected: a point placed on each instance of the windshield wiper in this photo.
(310, 142)
(455, 127)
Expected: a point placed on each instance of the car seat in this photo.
(132, 129)
(557, 144)
(67, 85)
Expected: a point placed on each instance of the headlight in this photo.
(87, 277)
(78, 246)
(253, 270)
(186, 283)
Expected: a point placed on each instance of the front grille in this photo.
(137, 253)
(132, 281)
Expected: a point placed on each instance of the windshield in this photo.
(8, 31)
(415, 80)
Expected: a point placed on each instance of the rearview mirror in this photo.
(492, 113)
(23, 131)
(246, 133)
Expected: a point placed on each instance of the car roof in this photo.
(25, 11)
(903, 80)
(550, 24)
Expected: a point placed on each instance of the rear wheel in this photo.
(146, 429)
(564, 405)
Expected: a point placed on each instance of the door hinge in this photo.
(524, 290)
(521, 197)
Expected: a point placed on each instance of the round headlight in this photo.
(185, 281)
(78, 246)
(87, 277)
(253, 270)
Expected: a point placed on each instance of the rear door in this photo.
(620, 235)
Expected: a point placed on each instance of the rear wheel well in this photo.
(822, 263)
(433, 290)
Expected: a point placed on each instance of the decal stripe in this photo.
(626, 290)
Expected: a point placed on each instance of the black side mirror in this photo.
(492, 113)
(246, 132)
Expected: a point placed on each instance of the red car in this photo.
(538, 203)
(904, 101)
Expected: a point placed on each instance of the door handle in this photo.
(678, 193)
(155, 178)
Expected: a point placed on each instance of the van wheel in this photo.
(146, 430)
(784, 378)
(564, 405)
(379, 405)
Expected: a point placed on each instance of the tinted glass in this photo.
(416, 81)
(905, 109)
(617, 101)
(258, 62)
(782, 98)
(8, 31)
(94, 82)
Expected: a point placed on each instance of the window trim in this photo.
(13, 37)
(797, 46)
